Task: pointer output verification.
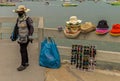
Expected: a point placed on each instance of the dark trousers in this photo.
(24, 53)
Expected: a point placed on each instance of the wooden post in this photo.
(40, 31)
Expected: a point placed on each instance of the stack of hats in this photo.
(115, 31)
(102, 27)
(72, 28)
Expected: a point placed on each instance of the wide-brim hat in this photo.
(115, 31)
(73, 20)
(71, 35)
(87, 27)
(21, 8)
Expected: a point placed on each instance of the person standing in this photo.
(23, 32)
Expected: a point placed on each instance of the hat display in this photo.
(102, 27)
(115, 31)
(21, 8)
(87, 27)
(72, 28)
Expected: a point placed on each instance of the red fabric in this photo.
(115, 29)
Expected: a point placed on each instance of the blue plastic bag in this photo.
(49, 54)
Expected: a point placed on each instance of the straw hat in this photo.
(73, 20)
(87, 27)
(21, 8)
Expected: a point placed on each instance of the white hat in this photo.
(73, 20)
(21, 8)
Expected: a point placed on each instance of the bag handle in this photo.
(50, 39)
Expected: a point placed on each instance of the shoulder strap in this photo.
(27, 22)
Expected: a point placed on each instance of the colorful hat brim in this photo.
(71, 35)
(101, 31)
(113, 34)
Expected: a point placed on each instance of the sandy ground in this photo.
(10, 60)
(69, 73)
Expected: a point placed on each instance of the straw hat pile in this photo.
(74, 27)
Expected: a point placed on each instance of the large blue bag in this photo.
(49, 54)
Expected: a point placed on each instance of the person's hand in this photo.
(12, 38)
(31, 39)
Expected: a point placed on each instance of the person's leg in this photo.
(24, 54)
(24, 57)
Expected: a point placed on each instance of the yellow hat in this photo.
(87, 27)
(21, 8)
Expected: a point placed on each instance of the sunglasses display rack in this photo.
(83, 57)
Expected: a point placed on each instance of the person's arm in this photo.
(30, 26)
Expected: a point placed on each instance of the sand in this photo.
(69, 73)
